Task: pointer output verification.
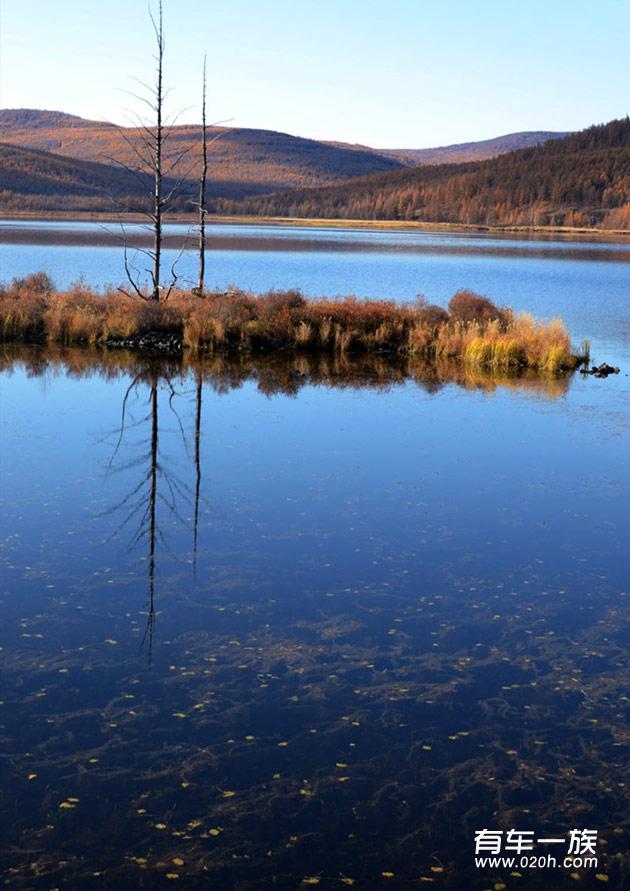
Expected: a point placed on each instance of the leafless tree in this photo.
(203, 180)
(202, 188)
(149, 164)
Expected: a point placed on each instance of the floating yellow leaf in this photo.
(65, 805)
(160, 825)
(437, 869)
(141, 810)
(426, 748)
(111, 642)
(347, 881)
(179, 715)
(343, 779)
(601, 876)
(311, 880)
(340, 764)
(172, 875)
(73, 800)
(32, 776)
(229, 794)
(92, 760)
(388, 875)
(283, 743)
(214, 832)
(178, 861)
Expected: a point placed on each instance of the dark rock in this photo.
(602, 370)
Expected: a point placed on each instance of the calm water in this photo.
(268, 621)
(587, 283)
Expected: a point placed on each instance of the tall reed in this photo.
(472, 330)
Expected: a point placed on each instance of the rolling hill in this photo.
(35, 180)
(582, 179)
(243, 162)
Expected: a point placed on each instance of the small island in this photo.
(472, 329)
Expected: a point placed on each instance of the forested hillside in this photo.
(580, 180)
(241, 161)
(34, 180)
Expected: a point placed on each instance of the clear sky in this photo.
(395, 73)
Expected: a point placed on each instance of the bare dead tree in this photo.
(203, 180)
(202, 188)
(158, 146)
(146, 144)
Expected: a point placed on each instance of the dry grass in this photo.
(473, 329)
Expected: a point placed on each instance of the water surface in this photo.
(274, 620)
(584, 281)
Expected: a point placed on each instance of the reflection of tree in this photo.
(158, 485)
(198, 401)
(151, 515)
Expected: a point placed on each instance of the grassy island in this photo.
(472, 330)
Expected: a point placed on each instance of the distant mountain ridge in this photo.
(243, 162)
(462, 152)
(38, 119)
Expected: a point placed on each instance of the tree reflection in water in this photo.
(159, 484)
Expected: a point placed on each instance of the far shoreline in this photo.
(314, 223)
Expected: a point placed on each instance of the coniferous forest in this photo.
(580, 180)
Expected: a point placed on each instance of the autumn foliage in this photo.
(580, 180)
(473, 329)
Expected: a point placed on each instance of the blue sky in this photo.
(396, 73)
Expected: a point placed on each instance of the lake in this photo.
(281, 622)
(586, 282)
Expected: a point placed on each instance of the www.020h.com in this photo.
(579, 849)
(544, 861)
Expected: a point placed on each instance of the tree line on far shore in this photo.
(579, 180)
